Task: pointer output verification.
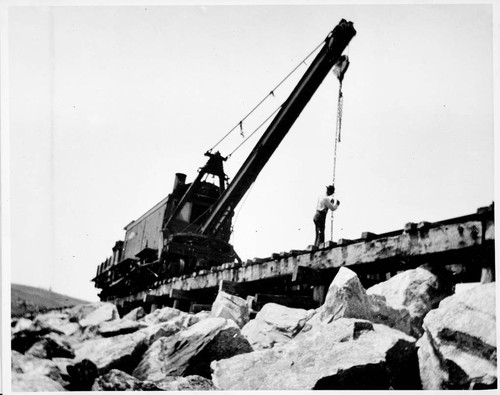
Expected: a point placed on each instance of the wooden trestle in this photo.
(463, 246)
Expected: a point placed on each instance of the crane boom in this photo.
(330, 53)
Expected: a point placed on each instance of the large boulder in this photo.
(433, 375)
(228, 342)
(459, 350)
(162, 315)
(346, 298)
(274, 324)
(118, 352)
(118, 327)
(33, 382)
(188, 383)
(81, 375)
(123, 352)
(345, 354)
(23, 339)
(164, 329)
(201, 315)
(58, 322)
(397, 317)
(231, 307)
(74, 340)
(191, 319)
(29, 364)
(178, 355)
(21, 325)
(51, 348)
(462, 287)
(135, 314)
(172, 316)
(417, 291)
(55, 325)
(116, 380)
(92, 314)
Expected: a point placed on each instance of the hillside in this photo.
(30, 300)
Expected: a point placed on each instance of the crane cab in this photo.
(164, 241)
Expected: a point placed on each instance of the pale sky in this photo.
(106, 104)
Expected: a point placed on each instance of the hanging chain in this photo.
(338, 128)
(340, 109)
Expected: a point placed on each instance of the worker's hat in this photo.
(330, 188)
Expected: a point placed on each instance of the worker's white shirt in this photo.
(326, 201)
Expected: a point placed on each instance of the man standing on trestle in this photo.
(325, 202)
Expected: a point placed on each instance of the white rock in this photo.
(21, 325)
(162, 315)
(176, 355)
(93, 314)
(32, 365)
(461, 334)
(58, 322)
(417, 291)
(32, 382)
(274, 324)
(397, 317)
(119, 352)
(118, 327)
(463, 287)
(346, 298)
(231, 307)
(135, 314)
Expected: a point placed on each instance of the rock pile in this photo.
(407, 333)
(89, 347)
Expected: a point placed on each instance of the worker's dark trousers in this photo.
(319, 221)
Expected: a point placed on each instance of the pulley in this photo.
(341, 67)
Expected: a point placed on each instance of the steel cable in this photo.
(271, 93)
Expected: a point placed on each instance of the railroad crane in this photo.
(189, 230)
